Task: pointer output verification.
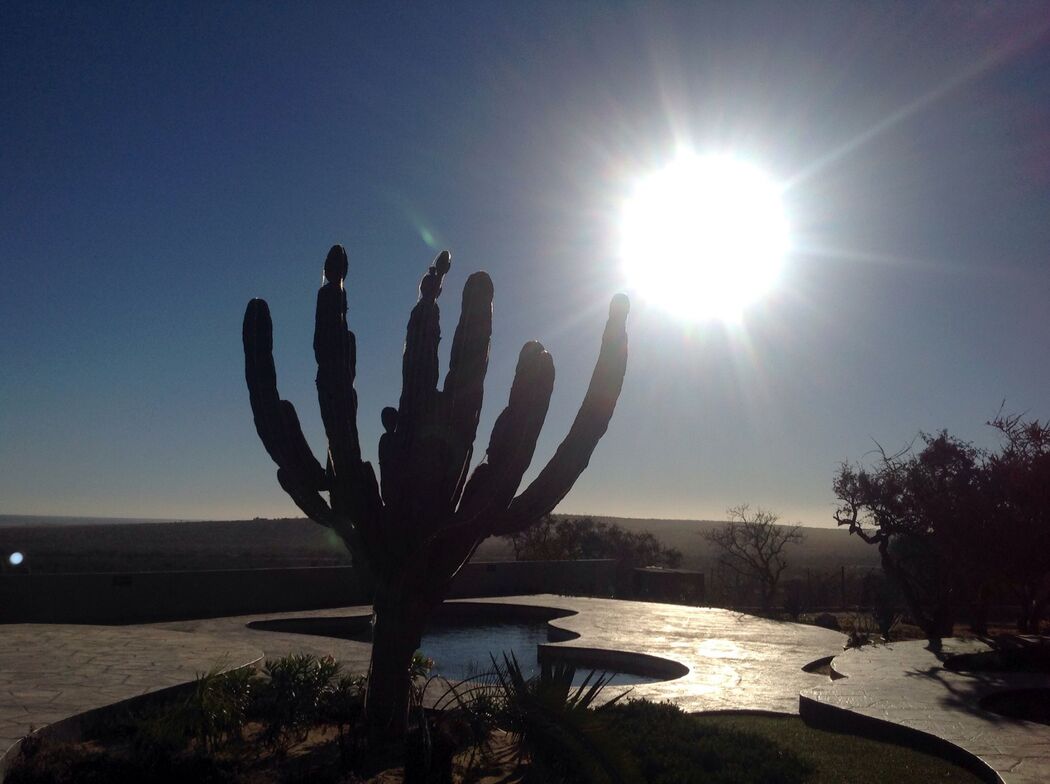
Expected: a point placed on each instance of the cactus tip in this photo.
(336, 264)
(257, 308)
(479, 283)
(389, 418)
(430, 286)
(531, 349)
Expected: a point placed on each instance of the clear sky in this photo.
(160, 164)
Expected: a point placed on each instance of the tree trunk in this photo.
(766, 593)
(397, 627)
(1032, 607)
(933, 622)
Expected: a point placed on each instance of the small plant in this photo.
(478, 701)
(565, 734)
(218, 708)
(211, 715)
(420, 666)
(342, 704)
(289, 700)
(861, 628)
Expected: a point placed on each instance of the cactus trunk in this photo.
(397, 627)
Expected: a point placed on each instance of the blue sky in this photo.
(160, 164)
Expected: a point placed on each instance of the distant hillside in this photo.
(229, 544)
(225, 544)
(823, 548)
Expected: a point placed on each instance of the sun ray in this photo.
(981, 66)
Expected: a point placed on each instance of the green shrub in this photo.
(288, 701)
(827, 621)
(212, 714)
(218, 708)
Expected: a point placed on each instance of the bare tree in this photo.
(751, 544)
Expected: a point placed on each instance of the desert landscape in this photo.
(104, 545)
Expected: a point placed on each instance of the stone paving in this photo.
(52, 672)
(903, 683)
(354, 655)
(735, 661)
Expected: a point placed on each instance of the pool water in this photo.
(462, 651)
(462, 644)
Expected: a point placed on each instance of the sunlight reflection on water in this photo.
(462, 651)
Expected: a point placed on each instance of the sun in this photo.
(704, 237)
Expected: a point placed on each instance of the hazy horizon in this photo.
(11, 520)
(164, 163)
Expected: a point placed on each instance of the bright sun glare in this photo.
(704, 237)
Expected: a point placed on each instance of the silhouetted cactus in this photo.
(416, 527)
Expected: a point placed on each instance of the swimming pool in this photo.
(462, 651)
(464, 636)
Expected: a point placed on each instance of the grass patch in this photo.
(673, 747)
(834, 757)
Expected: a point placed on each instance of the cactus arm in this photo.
(353, 489)
(558, 476)
(513, 439)
(494, 482)
(311, 504)
(412, 456)
(335, 351)
(464, 385)
(275, 419)
(419, 368)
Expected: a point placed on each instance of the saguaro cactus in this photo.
(416, 527)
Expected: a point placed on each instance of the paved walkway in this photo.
(903, 683)
(52, 672)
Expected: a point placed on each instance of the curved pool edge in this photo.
(353, 626)
(614, 661)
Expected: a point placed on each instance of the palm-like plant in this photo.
(561, 727)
